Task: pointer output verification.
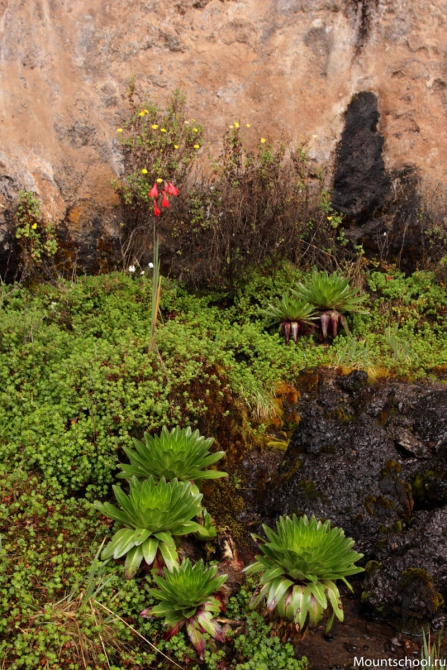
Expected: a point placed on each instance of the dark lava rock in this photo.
(410, 586)
(430, 415)
(372, 460)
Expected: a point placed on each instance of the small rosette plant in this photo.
(153, 514)
(187, 596)
(332, 296)
(294, 316)
(177, 454)
(300, 564)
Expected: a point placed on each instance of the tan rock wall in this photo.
(284, 66)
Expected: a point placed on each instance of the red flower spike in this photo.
(171, 189)
(153, 193)
(165, 201)
(156, 209)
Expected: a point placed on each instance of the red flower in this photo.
(156, 209)
(153, 193)
(165, 201)
(171, 189)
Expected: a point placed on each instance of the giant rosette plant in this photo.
(177, 454)
(332, 296)
(294, 316)
(187, 596)
(153, 514)
(300, 564)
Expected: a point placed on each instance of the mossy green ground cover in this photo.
(78, 383)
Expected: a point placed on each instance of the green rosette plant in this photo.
(153, 514)
(333, 297)
(177, 454)
(294, 316)
(187, 597)
(300, 564)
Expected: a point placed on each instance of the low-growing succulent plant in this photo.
(294, 316)
(180, 454)
(300, 564)
(187, 597)
(333, 297)
(153, 514)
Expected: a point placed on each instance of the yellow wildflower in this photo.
(142, 113)
(192, 120)
(248, 125)
(235, 124)
(315, 136)
(146, 111)
(262, 140)
(196, 130)
(159, 180)
(175, 146)
(329, 218)
(162, 130)
(154, 127)
(196, 146)
(34, 226)
(144, 171)
(119, 130)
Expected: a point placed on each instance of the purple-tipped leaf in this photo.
(325, 320)
(295, 329)
(174, 630)
(335, 318)
(196, 637)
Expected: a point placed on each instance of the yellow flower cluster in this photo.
(144, 112)
(263, 140)
(144, 171)
(196, 146)
(159, 180)
(119, 130)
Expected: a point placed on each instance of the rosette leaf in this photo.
(179, 454)
(153, 514)
(300, 564)
(332, 296)
(294, 316)
(187, 598)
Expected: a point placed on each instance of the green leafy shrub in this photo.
(292, 315)
(300, 564)
(187, 596)
(36, 236)
(333, 297)
(177, 454)
(153, 514)
(257, 649)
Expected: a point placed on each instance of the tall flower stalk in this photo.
(168, 190)
(156, 288)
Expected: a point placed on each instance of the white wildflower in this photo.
(151, 265)
(132, 268)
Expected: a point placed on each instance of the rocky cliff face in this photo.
(284, 66)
